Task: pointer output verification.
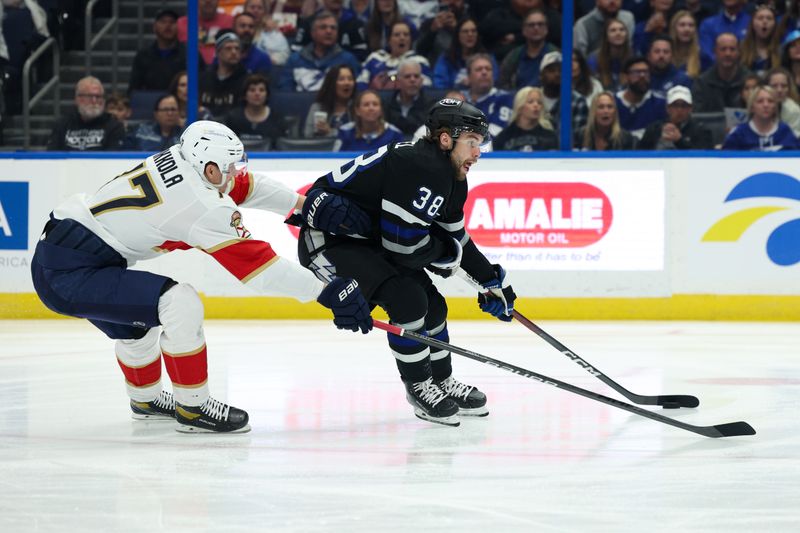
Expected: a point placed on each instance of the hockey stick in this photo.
(667, 401)
(731, 429)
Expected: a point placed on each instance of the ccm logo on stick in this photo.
(537, 215)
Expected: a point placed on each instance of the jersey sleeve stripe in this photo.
(214, 249)
(406, 250)
(401, 213)
(242, 188)
(259, 270)
(244, 258)
(451, 226)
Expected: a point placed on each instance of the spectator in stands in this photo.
(287, 14)
(361, 9)
(334, 103)
(521, 65)
(602, 131)
(450, 70)
(686, 45)
(791, 55)
(305, 70)
(732, 18)
(379, 28)
(380, 68)
(155, 65)
(211, 21)
(663, 74)
(637, 106)
(656, 24)
(160, 133)
(760, 50)
(350, 30)
(530, 129)
(24, 28)
(590, 29)
(701, 9)
(679, 131)
(368, 130)
(751, 81)
(764, 132)
(781, 82)
(418, 11)
(501, 29)
(407, 108)
(88, 126)
(790, 20)
(179, 88)
(268, 37)
(220, 87)
(551, 89)
(255, 121)
(482, 93)
(719, 86)
(437, 34)
(615, 50)
(119, 107)
(582, 80)
(254, 60)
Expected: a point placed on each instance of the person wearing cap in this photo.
(638, 107)
(550, 76)
(679, 131)
(155, 65)
(522, 64)
(720, 86)
(790, 56)
(732, 18)
(221, 86)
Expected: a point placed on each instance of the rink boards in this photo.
(601, 238)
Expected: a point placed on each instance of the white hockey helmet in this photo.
(206, 141)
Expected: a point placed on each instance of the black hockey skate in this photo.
(162, 408)
(211, 417)
(470, 401)
(431, 403)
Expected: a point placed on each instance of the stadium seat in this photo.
(143, 102)
(324, 144)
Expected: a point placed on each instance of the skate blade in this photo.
(152, 418)
(183, 428)
(451, 421)
(475, 411)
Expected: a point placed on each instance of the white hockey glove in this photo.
(446, 266)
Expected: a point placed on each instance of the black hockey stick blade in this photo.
(723, 430)
(667, 400)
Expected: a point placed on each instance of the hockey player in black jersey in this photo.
(385, 218)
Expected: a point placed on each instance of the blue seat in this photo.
(293, 103)
(143, 103)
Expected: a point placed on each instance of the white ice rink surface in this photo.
(335, 446)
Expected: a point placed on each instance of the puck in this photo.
(671, 405)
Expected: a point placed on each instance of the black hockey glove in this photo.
(350, 309)
(447, 265)
(334, 214)
(499, 300)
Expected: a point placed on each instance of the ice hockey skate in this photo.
(211, 417)
(431, 403)
(162, 408)
(470, 401)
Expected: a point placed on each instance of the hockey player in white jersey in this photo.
(184, 197)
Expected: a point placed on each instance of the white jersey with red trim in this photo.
(162, 205)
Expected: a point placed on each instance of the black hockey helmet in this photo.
(458, 116)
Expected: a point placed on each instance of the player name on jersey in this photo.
(165, 164)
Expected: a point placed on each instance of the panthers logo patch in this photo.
(236, 223)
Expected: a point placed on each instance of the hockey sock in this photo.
(140, 361)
